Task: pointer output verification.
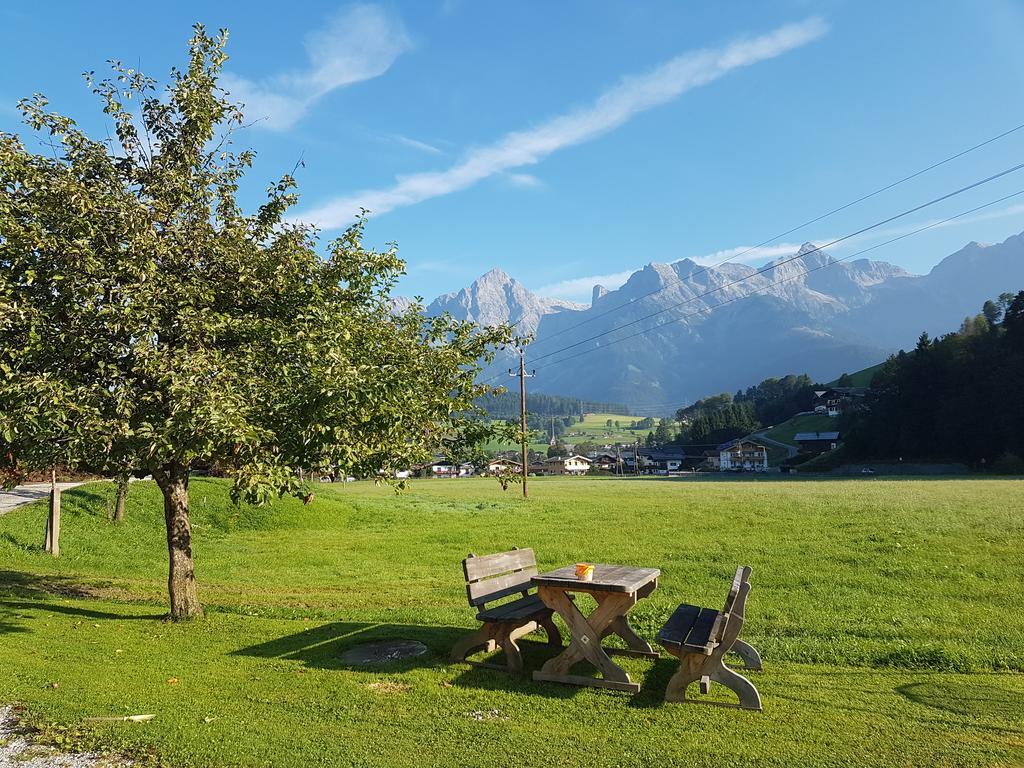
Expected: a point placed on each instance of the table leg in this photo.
(635, 644)
(586, 640)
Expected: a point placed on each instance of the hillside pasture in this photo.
(594, 428)
(889, 614)
(812, 422)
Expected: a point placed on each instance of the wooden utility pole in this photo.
(618, 460)
(522, 415)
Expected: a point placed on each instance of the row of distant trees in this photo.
(505, 405)
(718, 418)
(952, 398)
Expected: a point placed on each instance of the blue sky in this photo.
(573, 142)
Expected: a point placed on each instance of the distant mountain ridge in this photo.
(496, 298)
(808, 314)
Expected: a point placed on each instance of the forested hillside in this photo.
(955, 398)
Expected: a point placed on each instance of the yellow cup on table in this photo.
(584, 571)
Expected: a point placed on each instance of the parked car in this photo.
(867, 471)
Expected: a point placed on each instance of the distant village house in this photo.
(834, 401)
(565, 465)
(743, 456)
(498, 466)
(817, 442)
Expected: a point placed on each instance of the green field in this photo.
(593, 428)
(889, 614)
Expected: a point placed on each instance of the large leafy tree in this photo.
(148, 324)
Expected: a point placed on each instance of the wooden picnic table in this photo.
(616, 588)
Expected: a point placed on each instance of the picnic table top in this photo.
(607, 578)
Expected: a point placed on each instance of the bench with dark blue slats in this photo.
(700, 638)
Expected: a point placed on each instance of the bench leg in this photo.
(694, 667)
(751, 658)
(481, 639)
(507, 642)
(691, 669)
(738, 684)
(554, 636)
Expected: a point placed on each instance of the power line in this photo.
(798, 255)
(794, 277)
(790, 231)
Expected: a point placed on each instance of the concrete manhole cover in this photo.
(382, 653)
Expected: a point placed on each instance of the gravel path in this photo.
(19, 750)
(24, 494)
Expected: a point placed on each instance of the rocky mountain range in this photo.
(677, 332)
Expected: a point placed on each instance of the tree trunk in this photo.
(122, 493)
(181, 579)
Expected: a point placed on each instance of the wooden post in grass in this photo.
(52, 543)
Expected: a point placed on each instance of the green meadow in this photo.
(889, 614)
(593, 428)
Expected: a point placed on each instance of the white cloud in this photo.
(358, 43)
(938, 222)
(524, 180)
(612, 109)
(747, 254)
(582, 288)
(422, 146)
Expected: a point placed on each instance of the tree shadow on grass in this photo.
(11, 539)
(85, 613)
(972, 701)
(8, 627)
(322, 648)
(21, 584)
(27, 591)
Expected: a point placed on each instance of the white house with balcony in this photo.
(743, 456)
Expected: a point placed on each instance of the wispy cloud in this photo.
(582, 288)
(422, 146)
(524, 180)
(358, 43)
(613, 108)
(745, 254)
(938, 222)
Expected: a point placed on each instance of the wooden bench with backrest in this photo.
(490, 579)
(700, 638)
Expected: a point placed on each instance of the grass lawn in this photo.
(889, 614)
(815, 422)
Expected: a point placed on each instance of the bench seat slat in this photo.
(678, 625)
(515, 611)
(703, 633)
